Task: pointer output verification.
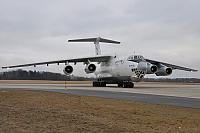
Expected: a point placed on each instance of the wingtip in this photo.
(5, 67)
(193, 70)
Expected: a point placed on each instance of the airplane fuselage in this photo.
(118, 69)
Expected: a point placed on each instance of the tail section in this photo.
(96, 42)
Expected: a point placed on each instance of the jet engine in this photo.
(151, 69)
(142, 66)
(164, 71)
(90, 68)
(68, 70)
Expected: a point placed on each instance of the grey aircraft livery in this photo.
(114, 69)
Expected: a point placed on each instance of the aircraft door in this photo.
(115, 71)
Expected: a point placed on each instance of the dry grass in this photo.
(37, 111)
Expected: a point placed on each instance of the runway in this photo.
(185, 95)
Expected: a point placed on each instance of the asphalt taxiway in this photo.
(185, 95)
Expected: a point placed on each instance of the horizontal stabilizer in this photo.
(99, 39)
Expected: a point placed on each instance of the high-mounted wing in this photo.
(85, 59)
(171, 65)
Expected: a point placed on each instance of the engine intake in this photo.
(90, 68)
(68, 70)
(151, 69)
(164, 71)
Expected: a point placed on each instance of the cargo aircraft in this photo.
(122, 70)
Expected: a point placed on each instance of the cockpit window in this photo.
(135, 58)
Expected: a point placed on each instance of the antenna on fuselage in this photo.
(96, 42)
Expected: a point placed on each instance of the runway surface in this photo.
(185, 95)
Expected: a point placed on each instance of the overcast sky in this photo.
(38, 30)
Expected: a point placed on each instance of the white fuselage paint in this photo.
(118, 69)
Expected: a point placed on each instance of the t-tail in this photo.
(96, 42)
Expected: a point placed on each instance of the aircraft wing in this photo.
(171, 65)
(75, 60)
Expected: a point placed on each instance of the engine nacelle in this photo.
(68, 70)
(164, 71)
(142, 66)
(90, 68)
(151, 69)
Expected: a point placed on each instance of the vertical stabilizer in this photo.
(97, 46)
(96, 42)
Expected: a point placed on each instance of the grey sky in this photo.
(38, 30)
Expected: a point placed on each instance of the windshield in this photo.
(135, 58)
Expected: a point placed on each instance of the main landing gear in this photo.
(123, 84)
(99, 84)
(126, 85)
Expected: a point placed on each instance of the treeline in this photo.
(185, 80)
(38, 75)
